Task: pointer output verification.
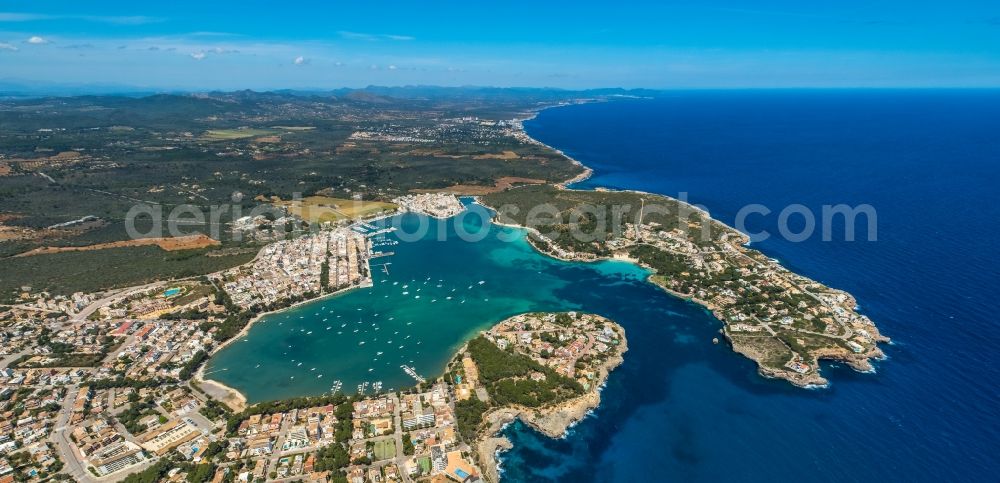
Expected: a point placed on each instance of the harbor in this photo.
(404, 328)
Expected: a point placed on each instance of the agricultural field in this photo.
(295, 128)
(240, 133)
(170, 244)
(320, 209)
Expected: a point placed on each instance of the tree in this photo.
(332, 457)
(152, 474)
(201, 473)
(468, 416)
(408, 448)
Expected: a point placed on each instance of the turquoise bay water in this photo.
(439, 291)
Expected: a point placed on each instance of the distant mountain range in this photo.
(15, 88)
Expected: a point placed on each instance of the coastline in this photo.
(232, 394)
(238, 401)
(232, 398)
(859, 362)
(587, 171)
(554, 421)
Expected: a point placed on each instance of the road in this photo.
(397, 418)
(82, 315)
(7, 360)
(60, 436)
(71, 456)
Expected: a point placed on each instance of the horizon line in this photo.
(141, 91)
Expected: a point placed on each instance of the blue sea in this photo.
(682, 409)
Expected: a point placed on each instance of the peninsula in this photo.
(783, 321)
(546, 369)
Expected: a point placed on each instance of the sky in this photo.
(214, 44)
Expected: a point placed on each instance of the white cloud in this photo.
(119, 20)
(300, 60)
(6, 46)
(126, 20)
(203, 53)
(20, 17)
(392, 67)
(36, 40)
(372, 37)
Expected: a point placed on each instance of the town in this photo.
(435, 205)
(112, 391)
(301, 268)
(99, 386)
(137, 408)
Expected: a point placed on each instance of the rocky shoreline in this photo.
(860, 362)
(553, 421)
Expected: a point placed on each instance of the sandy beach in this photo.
(221, 392)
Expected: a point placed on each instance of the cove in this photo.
(439, 292)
